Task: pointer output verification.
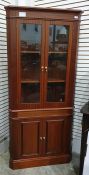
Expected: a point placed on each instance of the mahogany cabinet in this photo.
(42, 46)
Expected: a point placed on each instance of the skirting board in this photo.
(40, 161)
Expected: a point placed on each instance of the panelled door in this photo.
(57, 62)
(57, 135)
(31, 134)
(26, 137)
(30, 63)
(36, 137)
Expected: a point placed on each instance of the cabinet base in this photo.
(39, 161)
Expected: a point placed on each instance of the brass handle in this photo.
(46, 69)
(41, 138)
(42, 68)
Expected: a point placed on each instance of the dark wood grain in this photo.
(39, 161)
(56, 141)
(12, 61)
(54, 136)
(30, 133)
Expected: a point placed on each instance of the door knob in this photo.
(41, 138)
(46, 68)
(42, 68)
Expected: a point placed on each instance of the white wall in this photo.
(82, 76)
(4, 116)
(4, 124)
(25, 2)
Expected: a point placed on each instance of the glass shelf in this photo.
(49, 81)
(55, 81)
(27, 51)
(30, 81)
(57, 52)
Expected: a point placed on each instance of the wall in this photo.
(4, 115)
(25, 2)
(3, 79)
(82, 75)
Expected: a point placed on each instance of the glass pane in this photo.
(57, 61)
(57, 66)
(30, 44)
(55, 92)
(30, 92)
(30, 67)
(30, 37)
(58, 38)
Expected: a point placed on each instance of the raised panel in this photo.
(25, 137)
(57, 135)
(54, 136)
(30, 131)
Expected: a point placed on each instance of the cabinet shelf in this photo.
(30, 81)
(27, 51)
(57, 52)
(38, 81)
(56, 81)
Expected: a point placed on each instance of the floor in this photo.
(65, 169)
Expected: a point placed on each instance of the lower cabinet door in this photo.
(30, 138)
(40, 137)
(26, 138)
(57, 135)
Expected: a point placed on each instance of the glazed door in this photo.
(57, 63)
(44, 63)
(31, 61)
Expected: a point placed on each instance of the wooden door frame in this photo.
(58, 104)
(30, 105)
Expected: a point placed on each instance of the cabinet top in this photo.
(42, 13)
(42, 9)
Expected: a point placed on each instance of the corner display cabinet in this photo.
(42, 47)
